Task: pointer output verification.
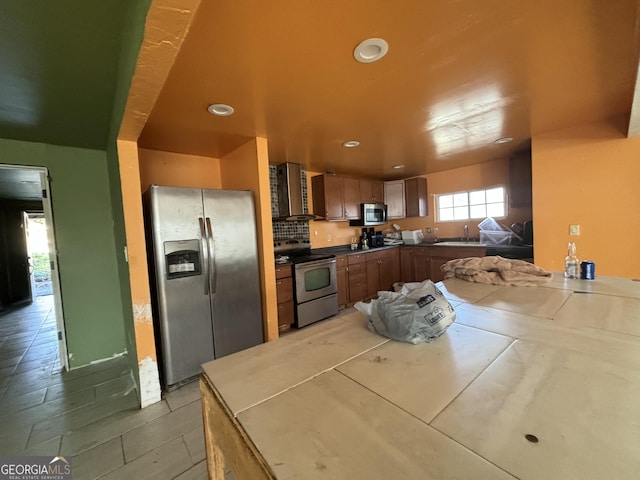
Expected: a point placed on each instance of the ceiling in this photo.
(58, 72)
(459, 74)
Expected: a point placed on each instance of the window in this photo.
(469, 205)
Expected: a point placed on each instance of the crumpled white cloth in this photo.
(496, 271)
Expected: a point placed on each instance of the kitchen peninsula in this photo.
(529, 383)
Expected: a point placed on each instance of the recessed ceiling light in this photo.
(400, 165)
(371, 50)
(220, 109)
(351, 144)
(504, 140)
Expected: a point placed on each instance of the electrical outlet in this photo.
(328, 238)
(574, 230)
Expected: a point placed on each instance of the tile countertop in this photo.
(528, 383)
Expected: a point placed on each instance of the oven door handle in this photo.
(315, 263)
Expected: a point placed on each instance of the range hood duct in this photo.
(290, 201)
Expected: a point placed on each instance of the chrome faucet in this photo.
(466, 233)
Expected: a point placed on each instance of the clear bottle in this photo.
(571, 263)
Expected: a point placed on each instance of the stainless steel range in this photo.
(315, 280)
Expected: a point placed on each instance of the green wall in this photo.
(84, 229)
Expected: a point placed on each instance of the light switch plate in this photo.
(574, 230)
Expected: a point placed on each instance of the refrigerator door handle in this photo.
(205, 253)
(212, 256)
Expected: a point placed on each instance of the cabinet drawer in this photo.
(373, 256)
(283, 271)
(356, 258)
(284, 289)
(341, 262)
(357, 268)
(285, 313)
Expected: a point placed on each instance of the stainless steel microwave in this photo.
(371, 214)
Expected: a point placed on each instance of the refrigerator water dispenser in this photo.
(182, 258)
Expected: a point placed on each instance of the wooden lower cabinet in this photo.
(422, 263)
(390, 269)
(343, 281)
(284, 292)
(415, 264)
(436, 274)
(441, 255)
(383, 270)
(373, 273)
(357, 277)
(362, 275)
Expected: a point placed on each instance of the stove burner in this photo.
(298, 250)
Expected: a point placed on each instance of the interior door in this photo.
(55, 278)
(18, 260)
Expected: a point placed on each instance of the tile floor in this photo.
(90, 413)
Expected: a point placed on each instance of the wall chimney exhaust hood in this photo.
(290, 200)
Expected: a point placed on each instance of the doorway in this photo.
(38, 250)
(27, 245)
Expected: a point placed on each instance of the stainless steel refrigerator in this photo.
(204, 257)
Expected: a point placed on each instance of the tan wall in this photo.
(484, 175)
(178, 170)
(588, 175)
(138, 273)
(247, 168)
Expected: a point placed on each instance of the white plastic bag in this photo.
(418, 313)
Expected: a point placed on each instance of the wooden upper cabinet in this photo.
(371, 191)
(327, 196)
(365, 190)
(520, 180)
(394, 198)
(416, 200)
(351, 196)
(377, 192)
(339, 198)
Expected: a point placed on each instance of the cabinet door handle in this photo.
(279, 283)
